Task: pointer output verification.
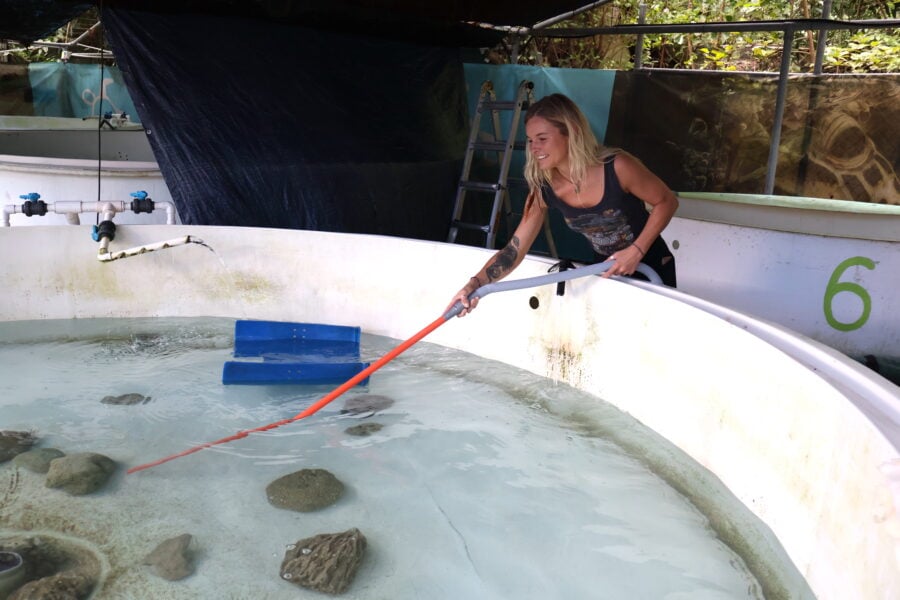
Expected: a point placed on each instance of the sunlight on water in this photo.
(483, 482)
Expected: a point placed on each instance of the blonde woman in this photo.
(601, 192)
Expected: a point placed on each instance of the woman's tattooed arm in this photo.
(505, 260)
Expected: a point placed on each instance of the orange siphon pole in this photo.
(313, 408)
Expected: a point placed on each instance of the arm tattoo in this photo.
(504, 261)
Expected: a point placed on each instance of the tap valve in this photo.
(106, 229)
(33, 205)
(141, 202)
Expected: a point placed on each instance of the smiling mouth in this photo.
(541, 156)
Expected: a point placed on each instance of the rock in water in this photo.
(364, 429)
(326, 562)
(366, 404)
(305, 490)
(126, 399)
(37, 460)
(172, 559)
(13, 443)
(80, 474)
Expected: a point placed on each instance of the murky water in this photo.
(484, 481)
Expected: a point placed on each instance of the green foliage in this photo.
(875, 50)
(64, 35)
(864, 51)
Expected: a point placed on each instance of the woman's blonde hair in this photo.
(584, 149)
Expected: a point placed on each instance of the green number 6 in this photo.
(835, 287)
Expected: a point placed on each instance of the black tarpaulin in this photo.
(259, 124)
(340, 115)
(28, 20)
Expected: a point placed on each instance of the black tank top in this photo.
(612, 223)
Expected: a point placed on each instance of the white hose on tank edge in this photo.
(104, 255)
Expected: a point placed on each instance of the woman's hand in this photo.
(505, 260)
(626, 261)
(462, 296)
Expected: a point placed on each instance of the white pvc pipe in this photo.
(107, 209)
(170, 211)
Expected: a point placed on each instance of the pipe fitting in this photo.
(107, 211)
(34, 207)
(12, 571)
(139, 205)
(170, 211)
(106, 230)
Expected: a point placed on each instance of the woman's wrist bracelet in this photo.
(641, 250)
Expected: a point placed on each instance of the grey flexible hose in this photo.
(520, 284)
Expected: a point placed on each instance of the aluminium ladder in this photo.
(504, 148)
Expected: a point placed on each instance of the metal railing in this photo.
(788, 28)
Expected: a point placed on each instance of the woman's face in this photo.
(547, 144)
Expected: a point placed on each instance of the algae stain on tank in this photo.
(91, 282)
(564, 363)
(247, 286)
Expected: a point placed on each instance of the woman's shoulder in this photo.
(618, 156)
(627, 166)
